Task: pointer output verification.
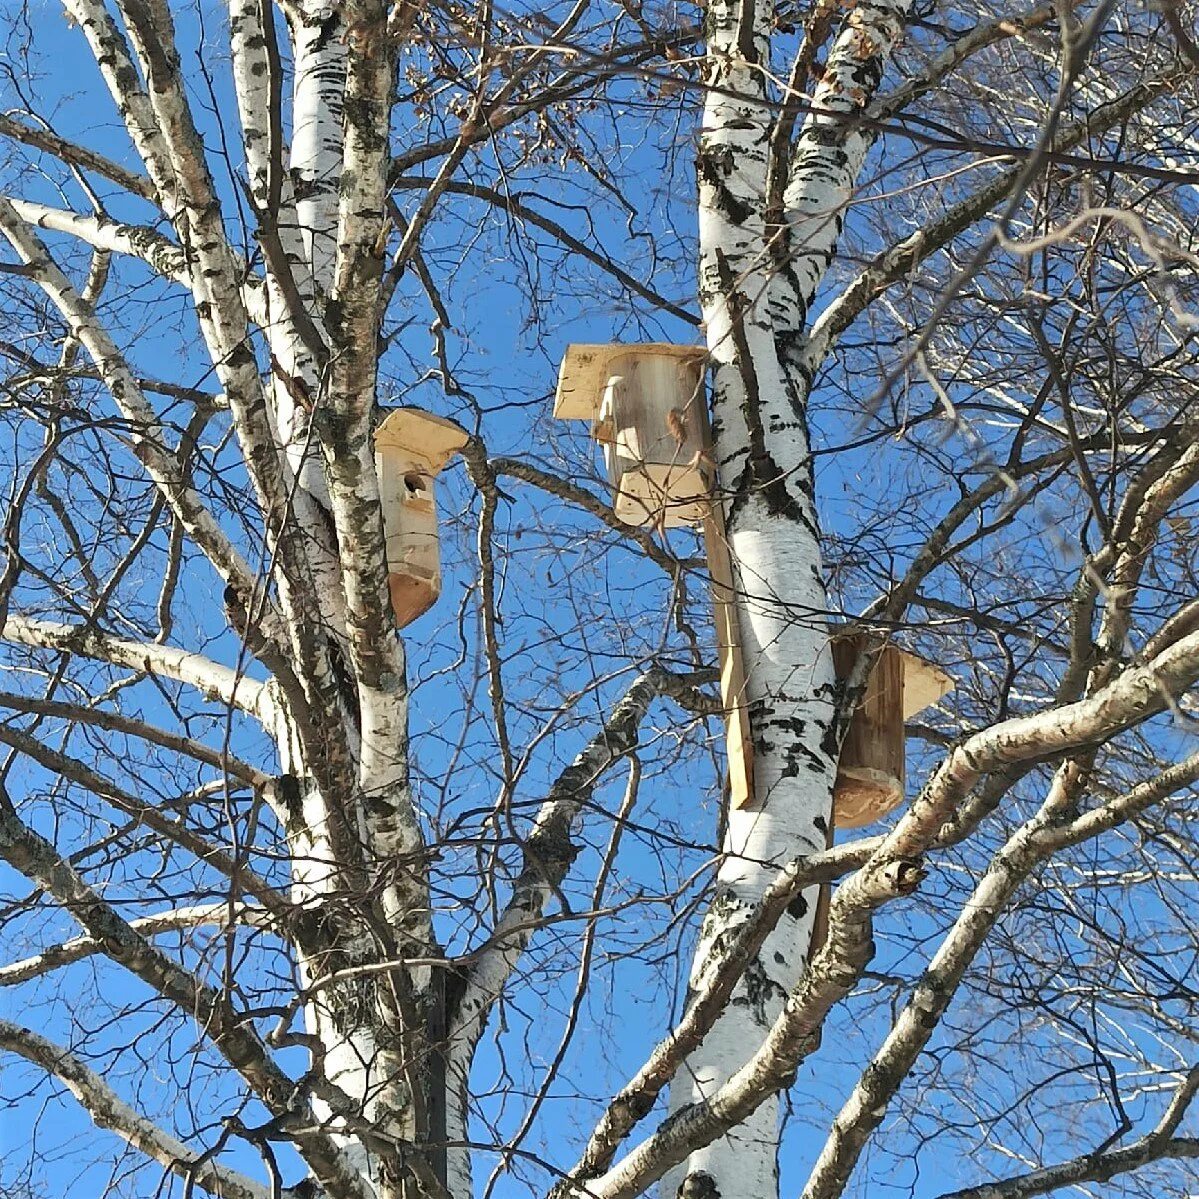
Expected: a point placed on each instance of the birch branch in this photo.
(1119, 566)
(121, 77)
(231, 1033)
(1101, 1167)
(792, 1036)
(165, 257)
(344, 424)
(634, 1101)
(1088, 1168)
(346, 432)
(897, 262)
(119, 723)
(256, 77)
(221, 915)
(1121, 808)
(893, 870)
(216, 682)
(636, 1098)
(78, 156)
(102, 232)
(108, 1111)
(148, 437)
(224, 320)
(1027, 849)
(215, 274)
(165, 135)
(1140, 692)
(549, 850)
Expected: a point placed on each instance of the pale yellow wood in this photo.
(433, 439)
(733, 680)
(411, 447)
(586, 369)
(870, 773)
(649, 412)
(657, 454)
(923, 684)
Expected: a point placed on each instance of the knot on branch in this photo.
(699, 1184)
(902, 876)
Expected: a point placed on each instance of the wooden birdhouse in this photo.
(648, 410)
(411, 449)
(870, 773)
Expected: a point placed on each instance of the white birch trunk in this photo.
(318, 42)
(295, 372)
(757, 281)
(340, 844)
(459, 1179)
(307, 221)
(342, 1025)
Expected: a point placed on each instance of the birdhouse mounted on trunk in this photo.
(870, 773)
(411, 449)
(647, 409)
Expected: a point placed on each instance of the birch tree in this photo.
(298, 902)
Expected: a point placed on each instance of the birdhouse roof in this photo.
(923, 684)
(586, 370)
(434, 439)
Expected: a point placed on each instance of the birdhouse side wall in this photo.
(870, 772)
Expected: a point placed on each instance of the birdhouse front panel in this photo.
(410, 529)
(649, 412)
(653, 424)
(411, 448)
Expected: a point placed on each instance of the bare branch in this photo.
(118, 723)
(109, 1111)
(213, 680)
(549, 850)
(103, 233)
(76, 156)
(229, 1031)
(223, 915)
(897, 262)
(1090, 1168)
(515, 206)
(148, 436)
(1031, 845)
